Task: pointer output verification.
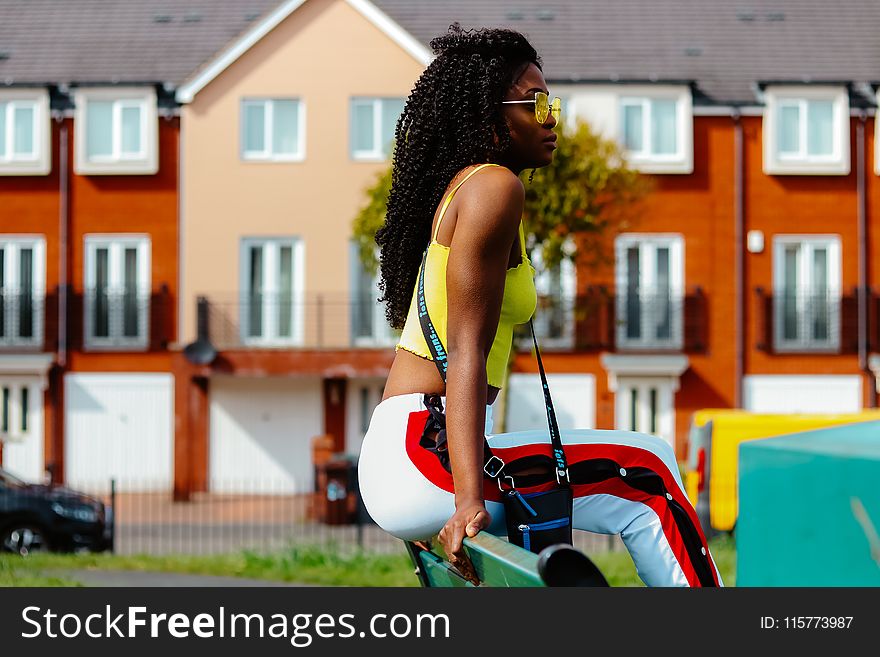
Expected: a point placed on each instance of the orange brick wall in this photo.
(700, 206)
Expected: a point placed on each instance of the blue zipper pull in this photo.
(526, 541)
(522, 500)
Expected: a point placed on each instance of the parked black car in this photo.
(38, 517)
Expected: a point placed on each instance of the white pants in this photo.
(409, 494)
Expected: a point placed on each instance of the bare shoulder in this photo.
(499, 182)
(492, 200)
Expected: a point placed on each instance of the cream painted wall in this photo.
(324, 53)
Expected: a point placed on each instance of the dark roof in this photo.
(725, 47)
(52, 41)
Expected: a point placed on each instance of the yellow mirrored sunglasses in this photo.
(543, 106)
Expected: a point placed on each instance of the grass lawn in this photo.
(307, 565)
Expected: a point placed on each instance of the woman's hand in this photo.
(468, 520)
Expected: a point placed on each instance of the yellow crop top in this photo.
(517, 307)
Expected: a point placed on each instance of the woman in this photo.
(476, 118)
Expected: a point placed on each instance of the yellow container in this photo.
(717, 433)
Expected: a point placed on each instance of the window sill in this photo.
(272, 343)
(776, 167)
(370, 158)
(679, 165)
(26, 168)
(115, 345)
(287, 159)
(666, 346)
(118, 168)
(805, 348)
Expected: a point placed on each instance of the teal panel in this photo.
(809, 511)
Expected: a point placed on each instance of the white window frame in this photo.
(776, 163)
(266, 155)
(144, 163)
(808, 244)
(40, 162)
(568, 284)
(648, 244)
(646, 161)
(12, 245)
(116, 245)
(377, 153)
(269, 318)
(383, 335)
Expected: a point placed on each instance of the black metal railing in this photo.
(597, 319)
(121, 319)
(257, 515)
(313, 321)
(808, 322)
(22, 318)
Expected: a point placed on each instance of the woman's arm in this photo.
(488, 216)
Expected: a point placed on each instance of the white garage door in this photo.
(803, 394)
(261, 433)
(574, 399)
(119, 426)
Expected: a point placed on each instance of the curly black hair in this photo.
(452, 118)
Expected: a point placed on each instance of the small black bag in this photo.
(538, 520)
(534, 520)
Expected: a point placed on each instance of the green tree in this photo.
(370, 219)
(589, 192)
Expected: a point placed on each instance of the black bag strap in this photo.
(438, 352)
(555, 438)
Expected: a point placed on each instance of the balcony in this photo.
(96, 321)
(811, 323)
(22, 320)
(599, 320)
(121, 320)
(314, 321)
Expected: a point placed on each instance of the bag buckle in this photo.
(493, 467)
(511, 484)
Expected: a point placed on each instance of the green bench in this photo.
(502, 564)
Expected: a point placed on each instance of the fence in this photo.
(265, 520)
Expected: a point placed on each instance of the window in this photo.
(272, 305)
(806, 130)
(554, 316)
(806, 293)
(15, 409)
(650, 291)
(22, 290)
(656, 131)
(650, 126)
(369, 327)
(117, 292)
(24, 132)
(373, 121)
(116, 131)
(272, 129)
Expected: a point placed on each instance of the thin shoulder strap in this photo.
(522, 240)
(452, 193)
